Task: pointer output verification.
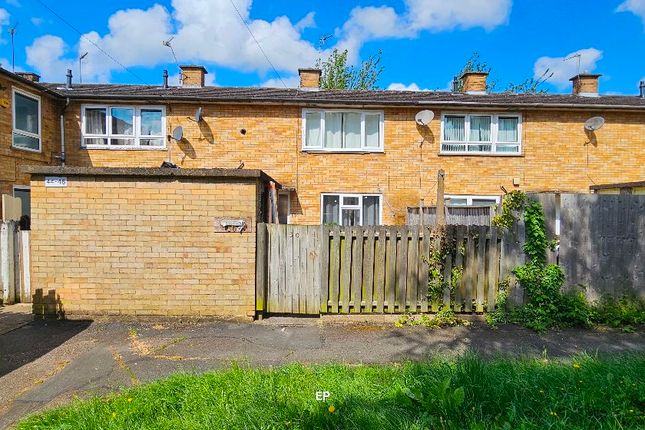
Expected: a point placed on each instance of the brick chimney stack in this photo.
(192, 75)
(585, 84)
(309, 79)
(474, 82)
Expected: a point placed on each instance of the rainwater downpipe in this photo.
(62, 133)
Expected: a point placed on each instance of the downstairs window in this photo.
(351, 209)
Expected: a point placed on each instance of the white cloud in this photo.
(564, 69)
(446, 15)
(49, 50)
(37, 21)
(289, 81)
(211, 32)
(368, 23)
(637, 7)
(397, 86)
(4, 20)
(307, 22)
(15, 3)
(204, 32)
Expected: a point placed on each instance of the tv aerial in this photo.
(424, 117)
(595, 123)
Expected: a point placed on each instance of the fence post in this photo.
(25, 266)
(7, 261)
(441, 210)
(261, 258)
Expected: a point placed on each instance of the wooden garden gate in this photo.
(291, 272)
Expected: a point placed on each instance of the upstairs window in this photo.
(26, 121)
(336, 130)
(351, 209)
(123, 127)
(481, 134)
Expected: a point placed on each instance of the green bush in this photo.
(623, 311)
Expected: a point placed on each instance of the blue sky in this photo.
(424, 42)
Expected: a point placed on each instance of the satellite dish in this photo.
(198, 115)
(424, 117)
(178, 133)
(593, 124)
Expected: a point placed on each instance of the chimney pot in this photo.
(641, 87)
(192, 75)
(310, 79)
(68, 84)
(474, 82)
(165, 78)
(30, 76)
(585, 85)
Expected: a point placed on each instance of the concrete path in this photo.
(45, 363)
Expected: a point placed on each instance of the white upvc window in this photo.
(481, 133)
(123, 127)
(462, 200)
(350, 209)
(342, 130)
(26, 121)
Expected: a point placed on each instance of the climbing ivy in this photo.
(512, 206)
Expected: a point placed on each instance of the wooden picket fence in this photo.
(382, 269)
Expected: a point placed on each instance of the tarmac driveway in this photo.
(46, 363)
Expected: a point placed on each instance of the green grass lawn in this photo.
(467, 393)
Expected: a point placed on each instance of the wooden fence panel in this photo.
(314, 269)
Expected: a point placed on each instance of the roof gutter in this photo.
(341, 103)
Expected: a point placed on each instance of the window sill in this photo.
(125, 148)
(482, 154)
(34, 151)
(343, 151)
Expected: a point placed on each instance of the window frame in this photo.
(14, 130)
(359, 206)
(321, 146)
(470, 197)
(136, 136)
(494, 132)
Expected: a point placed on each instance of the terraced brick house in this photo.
(349, 157)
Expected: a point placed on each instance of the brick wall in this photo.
(12, 159)
(143, 246)
(557, 155)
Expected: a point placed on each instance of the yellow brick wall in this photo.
(12, 159)
(557, 155)
(144, 246)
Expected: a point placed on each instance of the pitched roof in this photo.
(340, 97)
(295, 96)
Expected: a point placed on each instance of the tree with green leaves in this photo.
(338, 75)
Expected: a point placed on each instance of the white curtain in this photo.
(480, 129)
(372, 138)
(333, 129)
(95, 121)
(371, 210)
(507, 130)
(352, 130)
(454, 129)
(312, 129)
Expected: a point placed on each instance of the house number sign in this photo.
(55, 181)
